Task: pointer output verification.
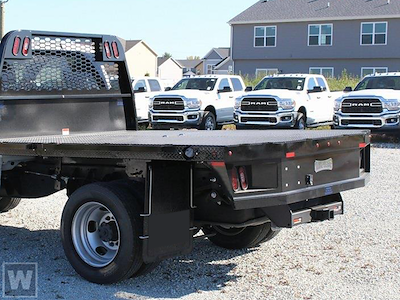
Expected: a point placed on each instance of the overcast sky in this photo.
(180, 27)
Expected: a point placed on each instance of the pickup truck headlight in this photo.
(151, 104)
(337, 104)
(193, 103)
(287, 103)
(392, 104)
(238, 102)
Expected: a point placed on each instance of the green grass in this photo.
(335, 84)
(344, 80)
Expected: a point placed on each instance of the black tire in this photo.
(209, 121)
(126, 208)
(269, 235)
(7, 204)
(240, 238)
(301, 123)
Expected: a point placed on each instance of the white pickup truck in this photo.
(374, 104)
(286, 101)
(203, 102)
(145, 88)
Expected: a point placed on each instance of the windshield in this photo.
(202, 84)
(281, 83)
(380, 82)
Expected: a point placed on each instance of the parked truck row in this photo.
(68, 122)
(278, 101)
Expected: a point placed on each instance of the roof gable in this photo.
(129, 44)
(162, 60)
(222, 52)
(278, 11)
(189, 63)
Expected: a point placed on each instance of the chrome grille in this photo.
(362, 106)
(259, 104)
(168, 104)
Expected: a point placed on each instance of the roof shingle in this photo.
(279, 11)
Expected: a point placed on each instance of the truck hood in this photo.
(185, 93)
(282, 94)
(383, 93)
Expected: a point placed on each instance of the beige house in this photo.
(140, 58)
(169, 69)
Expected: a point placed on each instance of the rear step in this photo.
(317, 213)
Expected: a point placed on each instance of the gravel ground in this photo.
(356, 256)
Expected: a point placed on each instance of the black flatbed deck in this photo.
(210, 145)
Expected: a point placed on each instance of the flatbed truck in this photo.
(68, 122)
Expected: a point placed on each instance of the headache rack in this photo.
(44, 67)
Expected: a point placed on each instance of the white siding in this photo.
(141, 61)
(169, 70)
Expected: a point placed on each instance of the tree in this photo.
(167, 55)
(192, 57)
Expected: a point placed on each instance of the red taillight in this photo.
(107, 49)
(25, 46)
(219, 164)
(290, 154)
(362, 145)
(235, 181)
(15, 49)
(243, 178)
(115, 49)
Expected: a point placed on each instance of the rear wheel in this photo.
(209, 121)
(239, 238)
(7, 204)
(100, 231)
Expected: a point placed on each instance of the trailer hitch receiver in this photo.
(322, 215)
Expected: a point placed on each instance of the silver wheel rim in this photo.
(95, 234)
(209, 124)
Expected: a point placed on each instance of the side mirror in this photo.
(226, 89)
(316, 89)
(348, 89)
(248, 89)
(168, 89)
(140, 90)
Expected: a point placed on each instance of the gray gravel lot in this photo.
(356, 256)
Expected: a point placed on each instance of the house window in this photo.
(374, 33)
(372, 70)
(210, 69)
(265, 36)
(320, 34)
(266, 72)
(328, 72)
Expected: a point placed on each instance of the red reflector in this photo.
(235, 181)
(15, 49)
(243, 178)
(25, 46)
(290, 154)
(217, 164)
(115, 49)
(362, 145)
(297, 221)
(107, 49)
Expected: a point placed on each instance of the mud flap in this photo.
(168, 221)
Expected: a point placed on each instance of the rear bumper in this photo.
(286, 198)
(383, 122)
(285, 119)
